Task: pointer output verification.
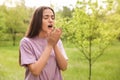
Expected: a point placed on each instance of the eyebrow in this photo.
(48, 15)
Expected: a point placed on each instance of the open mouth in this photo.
(50, 26)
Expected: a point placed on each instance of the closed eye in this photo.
(47, 17)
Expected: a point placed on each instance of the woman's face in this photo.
(48, 21)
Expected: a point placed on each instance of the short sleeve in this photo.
(26, 52)
(60, 44)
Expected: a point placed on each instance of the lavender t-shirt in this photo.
(31, 50)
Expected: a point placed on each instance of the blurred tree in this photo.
(65, 12)
(90, 29)
(61, 17)
(2, 20)
(17, 19)
(114, 17)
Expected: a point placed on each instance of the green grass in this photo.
(107, 67)
(9, 67)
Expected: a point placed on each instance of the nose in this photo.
(50, 20)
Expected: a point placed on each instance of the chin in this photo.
(49, 31)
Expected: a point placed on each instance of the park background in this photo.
(90, 32)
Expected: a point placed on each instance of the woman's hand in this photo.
(54, 36)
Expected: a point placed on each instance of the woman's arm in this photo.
(61, 61)
(38, 66)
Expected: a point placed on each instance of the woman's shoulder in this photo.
(25, 40)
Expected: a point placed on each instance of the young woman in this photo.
(41, 50)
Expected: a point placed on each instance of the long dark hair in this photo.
(36, 22)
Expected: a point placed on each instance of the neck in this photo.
(42, 35)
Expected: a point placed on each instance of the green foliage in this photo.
(91, 31)
(61, 23)
(14, 21)
(65, 12)
(2, 20)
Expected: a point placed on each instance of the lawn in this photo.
(107, 67)
(9, 67)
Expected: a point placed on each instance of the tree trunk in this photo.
(14, 38)
(90, 70)
(90, 59)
